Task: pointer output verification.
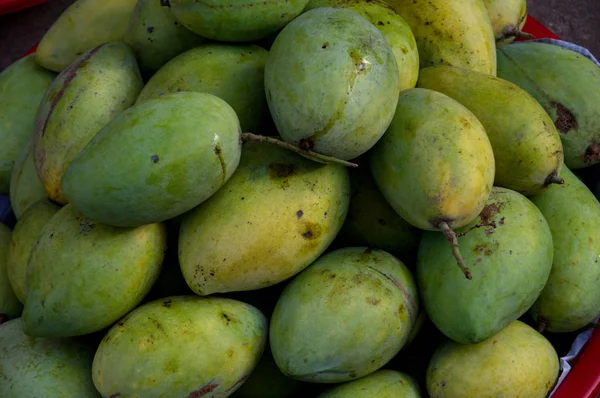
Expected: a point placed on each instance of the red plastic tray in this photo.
(9, 6)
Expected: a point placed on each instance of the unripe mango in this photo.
(383, 383)
(26, 188)
(10, 306)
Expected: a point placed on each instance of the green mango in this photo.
(516, 362)
(451, 32)
(234, 73)
(383, 383)
(571, 298)
(182, 346)
(26, 189)
(332, 82)
(343, 317)
(237, 241)
(394, 29)
(82, 275)
(235, 20)
(155, 35)
(31, 367)
(96, 87)
(84, 25)
(22, 87)
(572, 106)
(508, 18)
(527, 148)
(509, 250)
(10, 306)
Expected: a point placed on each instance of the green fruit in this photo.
(22, 87)
(573, 106)
(31, 367)
(84, 25)
(343, 317)
(571, 298)
(380, 384)
(235, 20)
(82, 276)
(451, 32)
(10, 306)
(517, 362)
(527, 148)
(234, 73)
(507, 18)
(509, 251)
(167, 155)
(24, 238)
(181, 346)
(26, 188)
(277, 214)
(332, 82)
(395, 30)
(94, 89)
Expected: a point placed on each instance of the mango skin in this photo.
(509, 251)
(22, 87)
(94, 89)
(571, 298)
(385, 383)
(451, 32)
(23, 239)
(235, 242)
(177, 151)
(395, 30)
(98, 273)
(573, 107)
(31, 367)
(181, 346)
(310, 336)
(508, 18)
(10, 306)
(26, 189)
(332, 82)
(527, 148)
(435, 162)
(235, 20)
(517, 362)
(234, 73)
(84, 25)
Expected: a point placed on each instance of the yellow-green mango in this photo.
(24, 237)
(182, 346)
(22, 87)
(26, 188)
(395, 30)
(516, 362)
(10, 306)
(174, 153)
(95, 88)
(451, 32)
(276, 215)
(234, 73)
(571, 298)
(527, 148)
(82, 275)
(38, 367)
(508, 18)
(343, 317)
(384, 383)
(84, 25)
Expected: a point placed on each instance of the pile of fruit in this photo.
(332, 198)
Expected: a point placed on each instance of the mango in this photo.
(509, 251)
(181, 346)
(82, 275)
(22, 87)
(517, 362)
(84, 25)
(573, 106)
(96, 87)
(385, 383)
(527, 148)
(176, 151)
(508, 18)
(10, 306)
(26, 189)
(235, 20)
(31, 367)
(343, 317)
(234, 73)
(451, 32)
(395, 30)
(571, 298)
(239, 240)
(332, 82)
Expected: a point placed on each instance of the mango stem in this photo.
(453, 239)
(524, 35)
(317, 157)
(553, 179)
(542, 324)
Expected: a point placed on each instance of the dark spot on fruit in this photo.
(226, 317)
(243, 198)
(281, 170)
(380, 23)
(230, 353)
(120, 323)
(167, 303)
(308, 235)
(150, 29)
(325, 45)
(154, 158)
(502, 221)
(592, 153)
(373, 300)
(494, 341)
(489, 231)
(208, 388)
(565, 120)
(428, 23)
(305, 360)
(488, 212)
(86, 226)
(306, 144)
(240, 381)
(443, 383)
(115, 395)
(299, 213)
(43, 302)
(212, 274)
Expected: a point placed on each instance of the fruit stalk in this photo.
(453, 239)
